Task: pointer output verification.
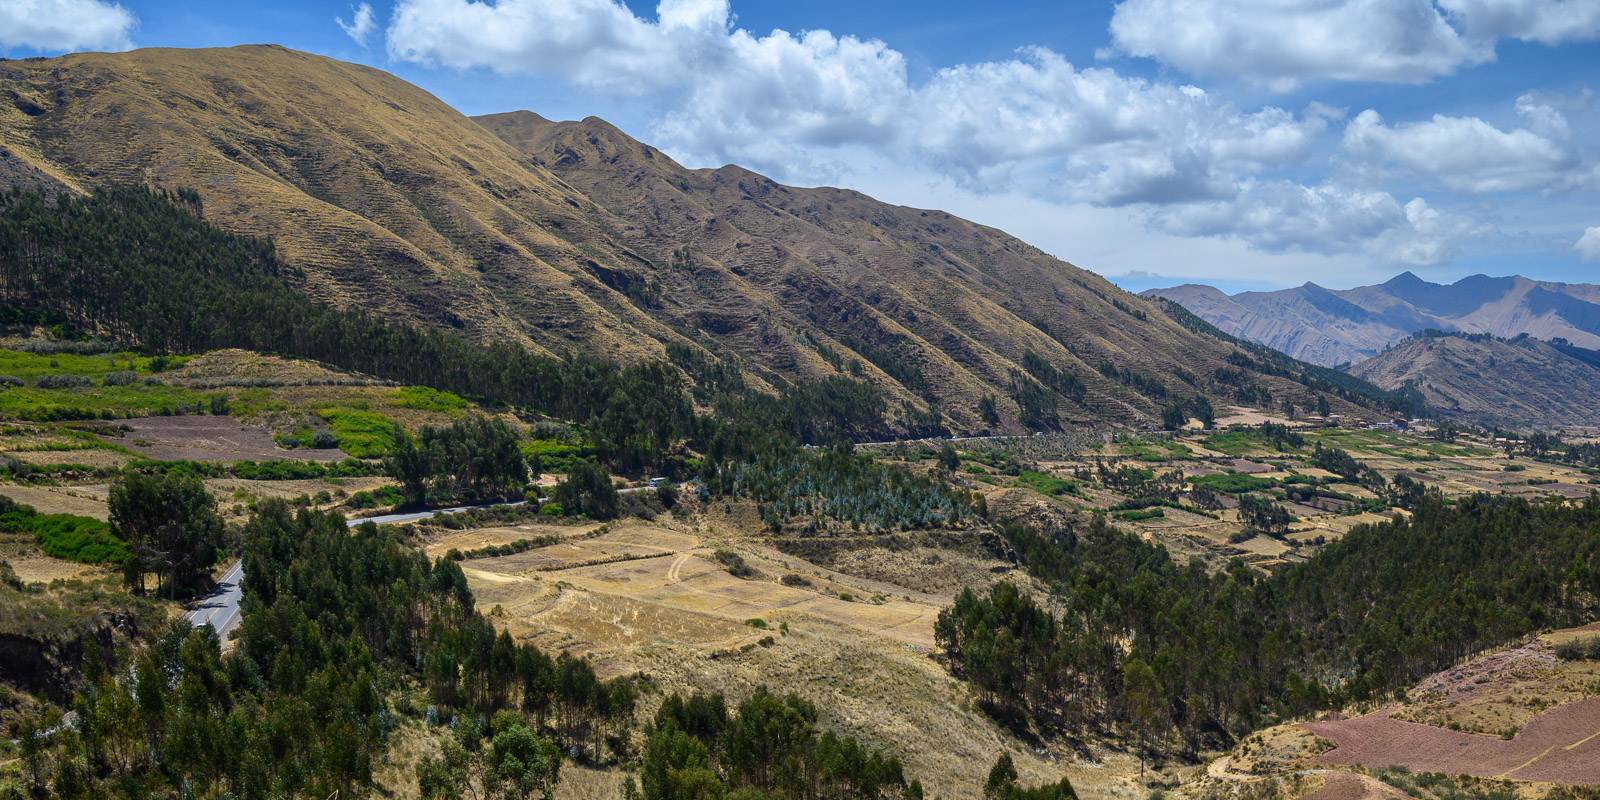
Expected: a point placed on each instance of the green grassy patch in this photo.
(423, 398)
(1155, 451)
(1046, 484)
(361, 433)
(554, 456)
(255, 402)
(64, 386)
(65, 536)
(1234, 484)
(1234, 443)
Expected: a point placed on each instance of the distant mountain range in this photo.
(1331, 327)
(1519, 381)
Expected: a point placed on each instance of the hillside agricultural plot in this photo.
(1455, 720)
(1561, 745)
(653, 597)
(209, 438)
(672, 571)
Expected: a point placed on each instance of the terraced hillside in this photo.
(573, 236)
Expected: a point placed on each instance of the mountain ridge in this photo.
(566, 236)
(1339, 326)
(1488, 379)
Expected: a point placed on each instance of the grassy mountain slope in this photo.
(1520, 381)
(383, 195)
(954, 304)
(572, 235)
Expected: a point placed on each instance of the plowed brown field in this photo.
(1561, 745)
(209, 438)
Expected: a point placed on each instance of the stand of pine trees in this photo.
(1230, 651)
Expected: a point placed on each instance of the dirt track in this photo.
(1560, 745)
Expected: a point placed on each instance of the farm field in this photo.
(1520, 717)
(1119, 478)
(652, 597)
(713, 598)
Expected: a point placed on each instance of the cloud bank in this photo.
(801, 106)
(1284, 43)
(65, 25)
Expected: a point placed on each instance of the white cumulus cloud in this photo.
(778, 102)
(1470, 155)
(361, 25)
(597, 43)
(1545, 21)
(1281, 216)
(803, 106)
(1284, 43)
(1589, 245)
(65, 25)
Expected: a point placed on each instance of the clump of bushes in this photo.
(734, 564)
(794, 580)
(122, 377)
(65, 381)
(1143, 514)
(1577, 649)
(512, 548)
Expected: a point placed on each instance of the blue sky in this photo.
(1244, 143)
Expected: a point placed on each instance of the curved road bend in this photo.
(220, 609)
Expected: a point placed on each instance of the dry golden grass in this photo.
(80, 500)
(551, 235)
(676, 614)
(33, 566)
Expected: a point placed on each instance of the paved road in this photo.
(413, 516)
(220, 609)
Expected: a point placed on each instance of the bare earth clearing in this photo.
(1562, 745)
(209, 438)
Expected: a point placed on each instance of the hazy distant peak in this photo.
(1330, 326)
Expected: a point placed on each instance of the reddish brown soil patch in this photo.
(1560, 745)
(208, 438)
